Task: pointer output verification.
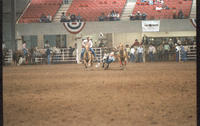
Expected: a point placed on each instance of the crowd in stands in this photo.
(138, 16)
(70, 17)
(45, 19)
(112, 16)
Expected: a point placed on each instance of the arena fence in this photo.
(66, 55)
(8, 57)
(191, 53)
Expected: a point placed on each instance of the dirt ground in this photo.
(145, 94)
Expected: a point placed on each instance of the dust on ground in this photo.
(145, 94)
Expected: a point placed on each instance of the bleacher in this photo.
(90, 10)
(174, 7)
(39, 7)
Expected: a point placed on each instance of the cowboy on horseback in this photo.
(24, 49)
(89, 42)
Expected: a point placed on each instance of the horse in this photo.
(19, 57)
(122, 57)
(88, 57)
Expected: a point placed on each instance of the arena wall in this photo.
(120, 31)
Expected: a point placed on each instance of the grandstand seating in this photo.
(174, 5)
(90, 10)
(39, 7)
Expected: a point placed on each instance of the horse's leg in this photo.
(125, 61)
(107, 66)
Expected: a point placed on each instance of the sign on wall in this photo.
(74, 27)
(150, 26)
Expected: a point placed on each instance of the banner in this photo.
(74, 27)
(150, 26)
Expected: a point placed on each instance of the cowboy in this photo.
(108, 58)
(24, 49)
(87, 41)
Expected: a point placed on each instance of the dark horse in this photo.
(19, 57)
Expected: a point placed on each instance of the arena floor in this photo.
(145, 94)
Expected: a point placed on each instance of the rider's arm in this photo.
(83, 43)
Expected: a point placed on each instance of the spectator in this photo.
(102, 17)
(48, 53)
(160, 52)
(150, 52)
(144, 16)
(49, 18)
(179, 42)
(183, 53)
(138, 15)
(158, 8)
(117, 16)
(131, 17)
(63, 17)
(165, 7)
(150, 2)
(177, 52)
(140, 51)
(79, 18)
(132, 54)
(180, 14)
(108, 16)
(174, 14)
(43, 18)
(112, 15)
(68, 19)
(46, 45)
(136, 43)
(73, 17)
(166, 51)
(71, 50)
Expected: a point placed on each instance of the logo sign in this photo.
(194, 22)
(74, 27)
(150, 26)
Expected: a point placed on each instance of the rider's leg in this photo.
(82, 52)
(91, 49)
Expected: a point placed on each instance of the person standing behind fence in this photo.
(183, 54)
(150, 52)
(140, 51)
(48, 53)
(166, 51)
(132, 54)
(160, 52)
(177, 52)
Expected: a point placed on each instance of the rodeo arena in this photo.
(99, 63)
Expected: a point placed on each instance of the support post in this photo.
(13, 22)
